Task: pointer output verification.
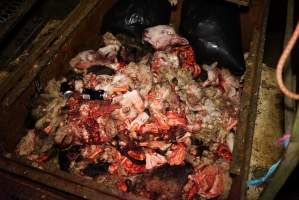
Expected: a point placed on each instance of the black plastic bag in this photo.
(213, 29)
(131, 17)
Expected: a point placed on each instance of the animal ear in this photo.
(179, 40)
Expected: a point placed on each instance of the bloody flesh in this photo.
(155, 114)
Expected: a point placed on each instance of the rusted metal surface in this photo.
(50, 59)
(241, 2)
(250, 94)
(25, 64)
(68, 184)
(251, 18)
(20, 41)
(268, 128)
(24, 189)
(46, 67)
(245, 129)
(11, 12)
(175, 19)
(14, 121)
(50, 55)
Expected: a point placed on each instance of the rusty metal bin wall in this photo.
(50, 60)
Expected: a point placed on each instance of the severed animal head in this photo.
(162, 36)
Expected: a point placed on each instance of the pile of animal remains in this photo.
(159, 126)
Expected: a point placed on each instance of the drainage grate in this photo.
(11, 12)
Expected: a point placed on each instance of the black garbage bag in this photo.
(133, 16)
(213, 29)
